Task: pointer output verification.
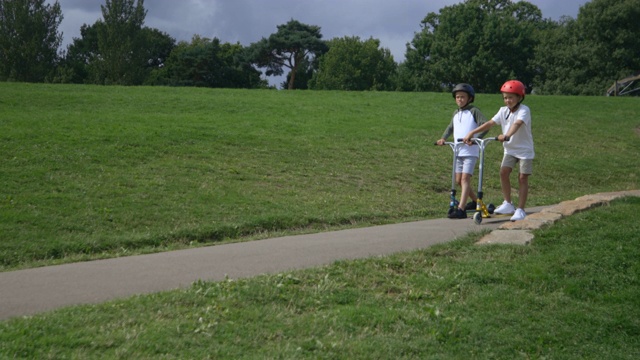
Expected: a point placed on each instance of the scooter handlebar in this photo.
(506, 138)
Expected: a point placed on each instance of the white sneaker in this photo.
(519, 215)
(505, 209)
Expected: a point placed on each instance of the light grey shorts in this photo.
(466, 164)
(526, 165)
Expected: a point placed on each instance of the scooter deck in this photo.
(494, 216)
(499, 215)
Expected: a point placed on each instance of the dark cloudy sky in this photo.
(393, 22)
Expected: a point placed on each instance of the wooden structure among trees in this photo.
(625, 86)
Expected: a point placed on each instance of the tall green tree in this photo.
(122, 59)
(304, 75)
(584, 56)
(82, 62)
(291, 46)
(210, 63)
(77, 60)
(482, 42)
(29, 39)
(353, 64)
(156, 48)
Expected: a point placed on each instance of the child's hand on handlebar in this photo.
(440, 142)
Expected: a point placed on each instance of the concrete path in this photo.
(27, 292)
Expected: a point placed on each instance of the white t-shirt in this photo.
(463, 123)
(521, 143)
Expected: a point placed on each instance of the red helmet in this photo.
(513, 86)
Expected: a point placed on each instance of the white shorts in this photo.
(466, 164)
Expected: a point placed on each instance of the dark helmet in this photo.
(466, 88)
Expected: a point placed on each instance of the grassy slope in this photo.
(91, 171)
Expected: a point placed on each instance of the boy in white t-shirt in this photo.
(517, 140)
(466, 118)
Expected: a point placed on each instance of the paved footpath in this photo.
(27, 292)
(30, 291)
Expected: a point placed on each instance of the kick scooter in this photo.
(482, 210)
(453, 203)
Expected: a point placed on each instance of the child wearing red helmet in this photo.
(517, 140)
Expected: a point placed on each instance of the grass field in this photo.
(573, 294)
(90, 172)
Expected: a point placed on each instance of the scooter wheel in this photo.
(491, 208)
(477, 218)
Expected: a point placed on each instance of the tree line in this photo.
(482, 42)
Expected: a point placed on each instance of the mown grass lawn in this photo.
(89, 172)
(572, 294)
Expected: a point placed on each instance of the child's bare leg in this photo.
(466, 190)
(505, 183)
(523, 191)
(463, 194)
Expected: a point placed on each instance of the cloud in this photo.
(246, 21)
(393, 22)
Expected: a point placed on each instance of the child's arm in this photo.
(484, 128)
(447, 132)
(512, 130)
(479, 118)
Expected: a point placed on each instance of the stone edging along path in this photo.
(519, 232)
